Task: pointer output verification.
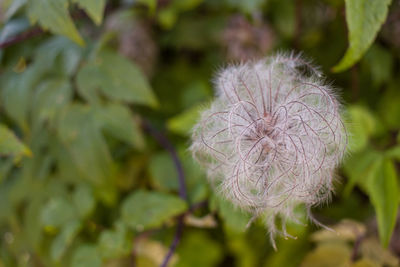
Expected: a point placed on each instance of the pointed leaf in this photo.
(234, 219)
(86, 256)
(64, 239)
(94, 8)
(384, 193)
(116, 243)
(10, 144)
(143, 210)
(364, 19)
(184, 122)
(57, 212)
(117, 78)
(84, 200)
(80, 133)
(50, 96)
(13, 8)
(117, 120)
(54, 15)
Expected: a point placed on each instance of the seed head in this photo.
(244, 40)
(272, 138)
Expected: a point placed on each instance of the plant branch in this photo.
(32, 32)
(298, 23)
(145, 234)
(356, 248)
(164, 142)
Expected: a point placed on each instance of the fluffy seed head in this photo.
(244, 40)
(272, 138)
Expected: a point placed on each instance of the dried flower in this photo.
(244, 41)
(391, 29)
(135, 40)
(272, 138)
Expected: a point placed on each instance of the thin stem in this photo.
(164, 142)
(298, 23)
(145, 234)
(175, 242)
(357, 244)
(33, 32)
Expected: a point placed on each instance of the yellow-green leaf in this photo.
(384, 194)
(115, 243)
(115, 77)
(54, 15)
(10, 144)
(86, 256)
(143, 210)
(364, 19)
(94, 8)
(64, 239)
(183, 123)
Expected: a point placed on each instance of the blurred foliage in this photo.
(81, 182)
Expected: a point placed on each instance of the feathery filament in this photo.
(272, 138)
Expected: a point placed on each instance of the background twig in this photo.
(35, 31)
(164, 142)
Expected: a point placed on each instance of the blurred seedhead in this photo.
(391, 28)
(134, 39)
(272, 138)
(244, 40)
(317, 13)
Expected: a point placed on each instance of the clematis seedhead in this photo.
(272, 138)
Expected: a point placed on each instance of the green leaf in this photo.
(359, 166)
(329, 254)
(163, 172)
(192, 244)
(363, 125)
(80, 134)
(118, 121)
(117, 78)
(50, 96)
(57, 212)
(17, 91)
(389, 108)
(364, 19)
(116, 243)
(394, 153)
(86, 256)
(32, 225)
(10, 145)
(283, 16)
(13, 8)
(143, 210)
(60, 54)
(152, 4)
(12, 28)
(54, 15)
(234, 219)
(384, 194)
(183, 123)
(249, 6)
(64, 239)
(379, 61)
(84, 200)
(94, 8)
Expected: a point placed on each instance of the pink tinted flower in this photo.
(272, 138)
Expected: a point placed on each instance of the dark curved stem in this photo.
(356, 248)
(145, 234)
(164, 142)
(175, 242)
(21, 37)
